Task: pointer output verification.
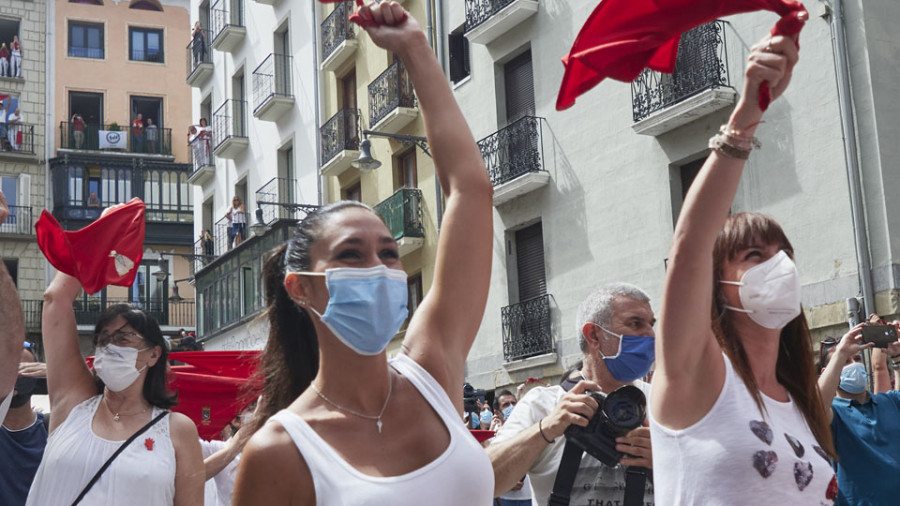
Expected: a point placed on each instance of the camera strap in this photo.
(565, 475)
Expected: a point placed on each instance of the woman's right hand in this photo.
(771, 61)
(851, 344)
(395, 30)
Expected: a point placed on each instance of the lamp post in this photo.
(367, 162)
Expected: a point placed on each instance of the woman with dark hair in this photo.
(736, 414)
(94, 414)
(337, 295)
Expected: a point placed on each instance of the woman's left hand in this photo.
(33, 369)
(395, 30)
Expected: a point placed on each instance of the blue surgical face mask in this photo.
(366, 307)
(634, 358)
(854, 378)
(474, 421)
(508, 411)
(486, 417)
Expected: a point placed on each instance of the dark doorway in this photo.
(149, 108)
(88, 105)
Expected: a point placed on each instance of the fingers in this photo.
(637, 447)
(584, 385)
(32, 369)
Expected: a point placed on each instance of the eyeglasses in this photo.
(117, 338)
(825, 345)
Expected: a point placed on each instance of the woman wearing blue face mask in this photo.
(735, 411)
(336, 296)
(95, 414)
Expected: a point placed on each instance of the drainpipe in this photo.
(320, 180)
(437, 42)
(845, 102)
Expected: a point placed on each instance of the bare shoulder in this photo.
(182, 428)
(272, 470)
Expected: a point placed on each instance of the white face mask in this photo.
(116, 366)
(770, 292)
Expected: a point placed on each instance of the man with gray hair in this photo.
(615, 331)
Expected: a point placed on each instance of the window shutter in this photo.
(530, 259)
(519, 82)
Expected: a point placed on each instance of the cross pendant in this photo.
(378, 424)
(116, 417)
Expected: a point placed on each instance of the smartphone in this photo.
(881, 335)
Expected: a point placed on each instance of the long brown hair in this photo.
(290, 359)
(795, 368)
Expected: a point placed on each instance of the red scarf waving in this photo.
(622, 37)
(106, 252)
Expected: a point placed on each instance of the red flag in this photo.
(356, 17)
(622, 37)
(106, 252)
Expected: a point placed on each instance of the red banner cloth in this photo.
(482, 435)
(103, 253)
(233, 364)
(622, 37)
(356, 18)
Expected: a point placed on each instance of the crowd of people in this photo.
(738, 410)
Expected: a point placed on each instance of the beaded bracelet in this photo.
(720, 144)
(737, 139)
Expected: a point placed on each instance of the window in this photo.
(145, 5)
(406, 169)
(459, 55)
(12, 267)
(519, 86)
(414, 291)
(347, 87)
(146, 44)
(532, 281)
(86, 40)
(352, 192)
(685, 178)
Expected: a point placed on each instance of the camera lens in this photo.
(625, 408)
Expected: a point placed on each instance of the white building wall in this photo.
(608, 210)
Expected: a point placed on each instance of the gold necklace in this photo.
(117, 414)
(348, 410)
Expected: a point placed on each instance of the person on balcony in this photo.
(95, 412)
(137, 133)
(78, 130)
(4, 113)
(93, 200)
(14, 129)
(346, 437)
(198, 45)
(4, 60)
(237, 216)
(152, 133)
(15, 48)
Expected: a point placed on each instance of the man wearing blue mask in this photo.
(615, 329)
(865, 427)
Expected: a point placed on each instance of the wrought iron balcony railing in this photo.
(224, 235)
(204, 253)
(278, 190)
(198, 51)
(272, 78)
(225, 13)
(200, 151)
(229, 120)
(18, 222)
(402, 212)
(17, 138)
(390, 90)
(340, 133)
(31, 310)
(479, 11)
(336, 29)
(515, 150)
(166, 313)
(155, 141)
(702, 65)
(526, 329)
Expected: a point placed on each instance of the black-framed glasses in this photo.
(826, 345)
(117, 338)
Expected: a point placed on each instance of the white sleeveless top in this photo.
(237, 216)
(735, 456)
(461, 475)
(140, 476)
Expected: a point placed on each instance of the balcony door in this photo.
(149, 108)
(88, 105)
(150, 293)
(530, 262)
(519, 86)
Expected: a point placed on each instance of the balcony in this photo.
(199, 60)
(115, 138)
(402, 213)
(19, 222)
(488, 19)
(227, 21)
(392, 100)
(204, 168)
(526, 329)
(31, 310)
(167, 314)
(278, 190)
(338, 39)
(17, 141)
(273, 95)
(514, 157)
(340, 141)
(699, 85)
(230, 129)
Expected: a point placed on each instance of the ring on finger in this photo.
(768, 48)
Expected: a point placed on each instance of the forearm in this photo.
(830, 379)
(512, 458)
(881, 376)
(217, 461)
(12, 332)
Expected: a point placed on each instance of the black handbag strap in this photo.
(116, 454)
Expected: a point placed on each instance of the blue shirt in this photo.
(867, 440)
(21, 452)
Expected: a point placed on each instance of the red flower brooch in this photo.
(149, 443)
(832, 491)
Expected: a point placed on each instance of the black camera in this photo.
(471, 395)
(620, 412)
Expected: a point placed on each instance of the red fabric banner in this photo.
(103, 253)
(622, 37)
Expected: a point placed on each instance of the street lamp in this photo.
(259, 227)
(367, 162)
(176, 297)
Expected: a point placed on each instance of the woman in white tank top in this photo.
(369, 430)
(736, 415)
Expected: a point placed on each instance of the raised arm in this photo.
(12, 330)
(443, 328)
(688, 359)
(881, 375)
(851, 344)
(69, 381)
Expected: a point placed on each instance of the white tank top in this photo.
(237, 216)
(735, 456)
(461, 475)
(142, 475)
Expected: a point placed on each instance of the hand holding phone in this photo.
(881, 335)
